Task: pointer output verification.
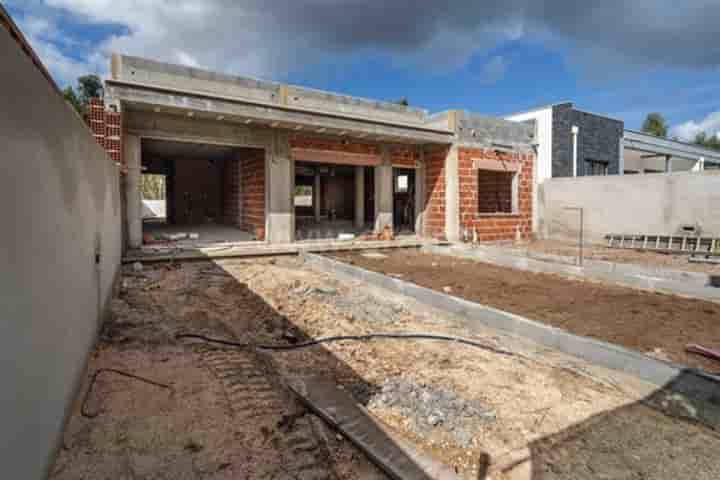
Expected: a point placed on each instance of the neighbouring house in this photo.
(577, 143)
(249, 160)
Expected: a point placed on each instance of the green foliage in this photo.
(152, 186)
(655, 124)
(403, 101)
(72, 99)
(709, 141)
(88, 87)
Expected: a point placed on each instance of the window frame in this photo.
(514, 193)
(589, 167)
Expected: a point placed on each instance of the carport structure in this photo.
(645, 153)
(235, 149)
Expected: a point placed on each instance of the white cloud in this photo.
(688, 130)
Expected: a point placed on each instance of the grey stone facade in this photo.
(598, 139)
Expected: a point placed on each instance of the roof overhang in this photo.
(138, 96)
(662, 146)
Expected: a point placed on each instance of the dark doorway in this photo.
(404, 200)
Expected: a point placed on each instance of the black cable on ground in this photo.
(83, 408)
(339, 338)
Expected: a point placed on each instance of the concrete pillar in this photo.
(316, 196)
(280, 184)
(384, 192)
(621, 157)
(133, 206)
(452, 195)
(359, 197)
(668, 164)
(420, 195)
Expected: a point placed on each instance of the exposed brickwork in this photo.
(252, 170)
(435, 191)
(404, 157)
(332, 144)
(231, 192)
(107, 129)
(494, 191)
(493, 227)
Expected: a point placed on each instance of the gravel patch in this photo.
(430, 408)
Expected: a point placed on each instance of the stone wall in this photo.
(598, 139)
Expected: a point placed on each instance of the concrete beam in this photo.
(384, 192)
(649, 143)
(280, 185)
(139, 96)
(359, 196)
(133, 207)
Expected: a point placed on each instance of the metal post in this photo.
(581, 236)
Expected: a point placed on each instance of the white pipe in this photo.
(575, 130)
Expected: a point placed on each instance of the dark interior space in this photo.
(404, 199)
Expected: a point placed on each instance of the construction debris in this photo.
(707, 352)
(429, 407)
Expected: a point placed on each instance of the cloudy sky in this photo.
(617, 57)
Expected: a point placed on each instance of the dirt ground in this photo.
(230, 416)
(601, 252)
(657, 324)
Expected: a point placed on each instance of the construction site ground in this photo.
(656, 324)
(229, 415)
(671, 261)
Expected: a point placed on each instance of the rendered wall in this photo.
(631, 204)
(60, 203)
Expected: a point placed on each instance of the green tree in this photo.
(709, 141)
(88, 87)
(72, 99)
(655, 124)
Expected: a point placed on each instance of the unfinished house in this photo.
(246, 160)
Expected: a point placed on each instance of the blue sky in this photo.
(623, 59)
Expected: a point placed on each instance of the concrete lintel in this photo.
(692, 383)
(153, 97)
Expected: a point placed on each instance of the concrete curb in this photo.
(687, 284)
(695, 384)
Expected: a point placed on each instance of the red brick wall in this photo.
(435, 191)
(196, 191)
(332, 144)
(107, 129)
(231, 192)
(493, 227)
(252, 171)
(404, 157)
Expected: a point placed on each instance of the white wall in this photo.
(59, 202)
(543, 163)
(631, 204)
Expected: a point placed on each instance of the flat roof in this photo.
(646, 142)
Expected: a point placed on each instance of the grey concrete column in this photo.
(384, 192)
(452, 195)
(281, 183)
(133, 206)
(621, 157)
(668, 164)
(359, 197)
(316, 196)
(420, 196)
